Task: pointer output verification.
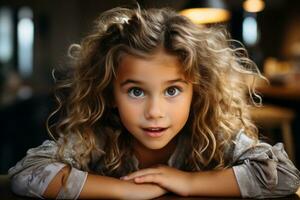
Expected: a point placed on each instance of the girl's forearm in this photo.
(57, 182)
(214, 183)
(97, 187)
(111, 188)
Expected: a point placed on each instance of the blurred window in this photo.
(250, 32)
(6, 35)
(25, 41)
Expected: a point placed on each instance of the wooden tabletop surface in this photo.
(5, 193)
(280, 92)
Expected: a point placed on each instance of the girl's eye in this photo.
(172, 91)
(136, 92)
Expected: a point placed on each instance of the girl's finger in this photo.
(150, 178)
(139, 173)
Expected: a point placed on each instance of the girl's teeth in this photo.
(155, 129)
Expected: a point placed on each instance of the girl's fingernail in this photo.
(123, 177)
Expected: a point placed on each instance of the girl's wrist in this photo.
(128, 190)
(123, 192)
(131, 190)
(190, 183)
(194, 183)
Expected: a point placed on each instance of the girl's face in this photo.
(153, 98)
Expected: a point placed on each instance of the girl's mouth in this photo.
(154, 131)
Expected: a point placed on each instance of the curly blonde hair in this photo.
(219, 108)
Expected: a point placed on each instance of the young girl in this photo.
(154, 104)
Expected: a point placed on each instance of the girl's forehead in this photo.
(157, 57)
(159, 62)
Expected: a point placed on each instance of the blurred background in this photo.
(35, 36)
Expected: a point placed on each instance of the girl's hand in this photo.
(132, 190)
(172, 179)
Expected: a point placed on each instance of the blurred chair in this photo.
(269, 117)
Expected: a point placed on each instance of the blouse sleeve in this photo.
(32, 175)
(262, 170)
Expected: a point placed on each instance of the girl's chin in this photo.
(156, 145)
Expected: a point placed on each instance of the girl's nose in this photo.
(154, 108)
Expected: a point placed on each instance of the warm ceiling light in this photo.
(206, 15)
(254, 5)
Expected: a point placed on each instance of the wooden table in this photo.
(5, 193)
(280, 92)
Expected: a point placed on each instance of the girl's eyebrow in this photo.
(177, 80)
(127, 81)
